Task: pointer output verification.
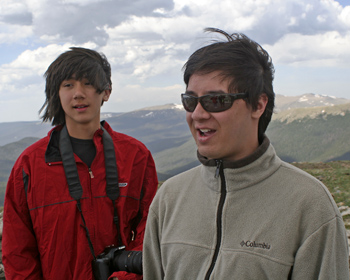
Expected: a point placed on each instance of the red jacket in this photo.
(43, 236)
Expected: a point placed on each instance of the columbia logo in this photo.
(253, 244)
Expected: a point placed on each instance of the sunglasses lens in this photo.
(216, 103)
(211, 103)
(189, 102)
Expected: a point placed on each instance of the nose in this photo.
(199, 113)
(79, 92)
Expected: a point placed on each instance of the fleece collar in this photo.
(244, 172)
(241, 162)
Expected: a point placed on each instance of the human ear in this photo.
(262, 103)
(107, 93)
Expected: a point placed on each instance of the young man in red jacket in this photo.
(81, 188)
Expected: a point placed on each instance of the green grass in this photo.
(336, 176)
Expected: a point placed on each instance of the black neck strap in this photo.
(69, 165)
(112, 185)
(72, 176)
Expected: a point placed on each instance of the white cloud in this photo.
(30, 66)
(81, 21)
(10, 34)
(344, 16)
(129, 97)
(147, 42)
(328, 49)
(15, 12)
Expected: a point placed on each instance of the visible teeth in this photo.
(205, 130)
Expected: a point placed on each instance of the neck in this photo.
(82, 131)
(242, 162)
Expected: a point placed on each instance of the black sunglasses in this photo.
(211, 102)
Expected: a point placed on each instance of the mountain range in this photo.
(308, 127)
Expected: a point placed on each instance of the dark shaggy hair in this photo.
(246, 65)
(77, 63)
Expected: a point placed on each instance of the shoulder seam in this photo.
(322, 225)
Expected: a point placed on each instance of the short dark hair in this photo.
(242, 61)
(77, 63)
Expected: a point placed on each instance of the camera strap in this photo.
(72, 176)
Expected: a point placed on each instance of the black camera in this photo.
(116, 259)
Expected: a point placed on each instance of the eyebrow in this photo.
(208, 92)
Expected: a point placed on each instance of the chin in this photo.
(206, 154)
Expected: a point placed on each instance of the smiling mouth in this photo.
(80, 107)
(205, 132)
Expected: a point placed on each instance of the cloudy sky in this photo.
(147, 43)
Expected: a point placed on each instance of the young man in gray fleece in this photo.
(243, 213)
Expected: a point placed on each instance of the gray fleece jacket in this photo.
(257, 218)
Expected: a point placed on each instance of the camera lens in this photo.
(130, 261)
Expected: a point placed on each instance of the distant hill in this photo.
(9, 153)
(305, 133)
(15, 131)
(312, 134)
(307, 100)
(137, 122)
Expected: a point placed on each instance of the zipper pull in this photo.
(218, 167)
(90, 172)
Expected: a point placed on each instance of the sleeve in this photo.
(325, 254)
(152, 263)
(19, 247)
(149, 189)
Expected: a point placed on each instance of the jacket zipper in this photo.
(91, 174)
(219, 171)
